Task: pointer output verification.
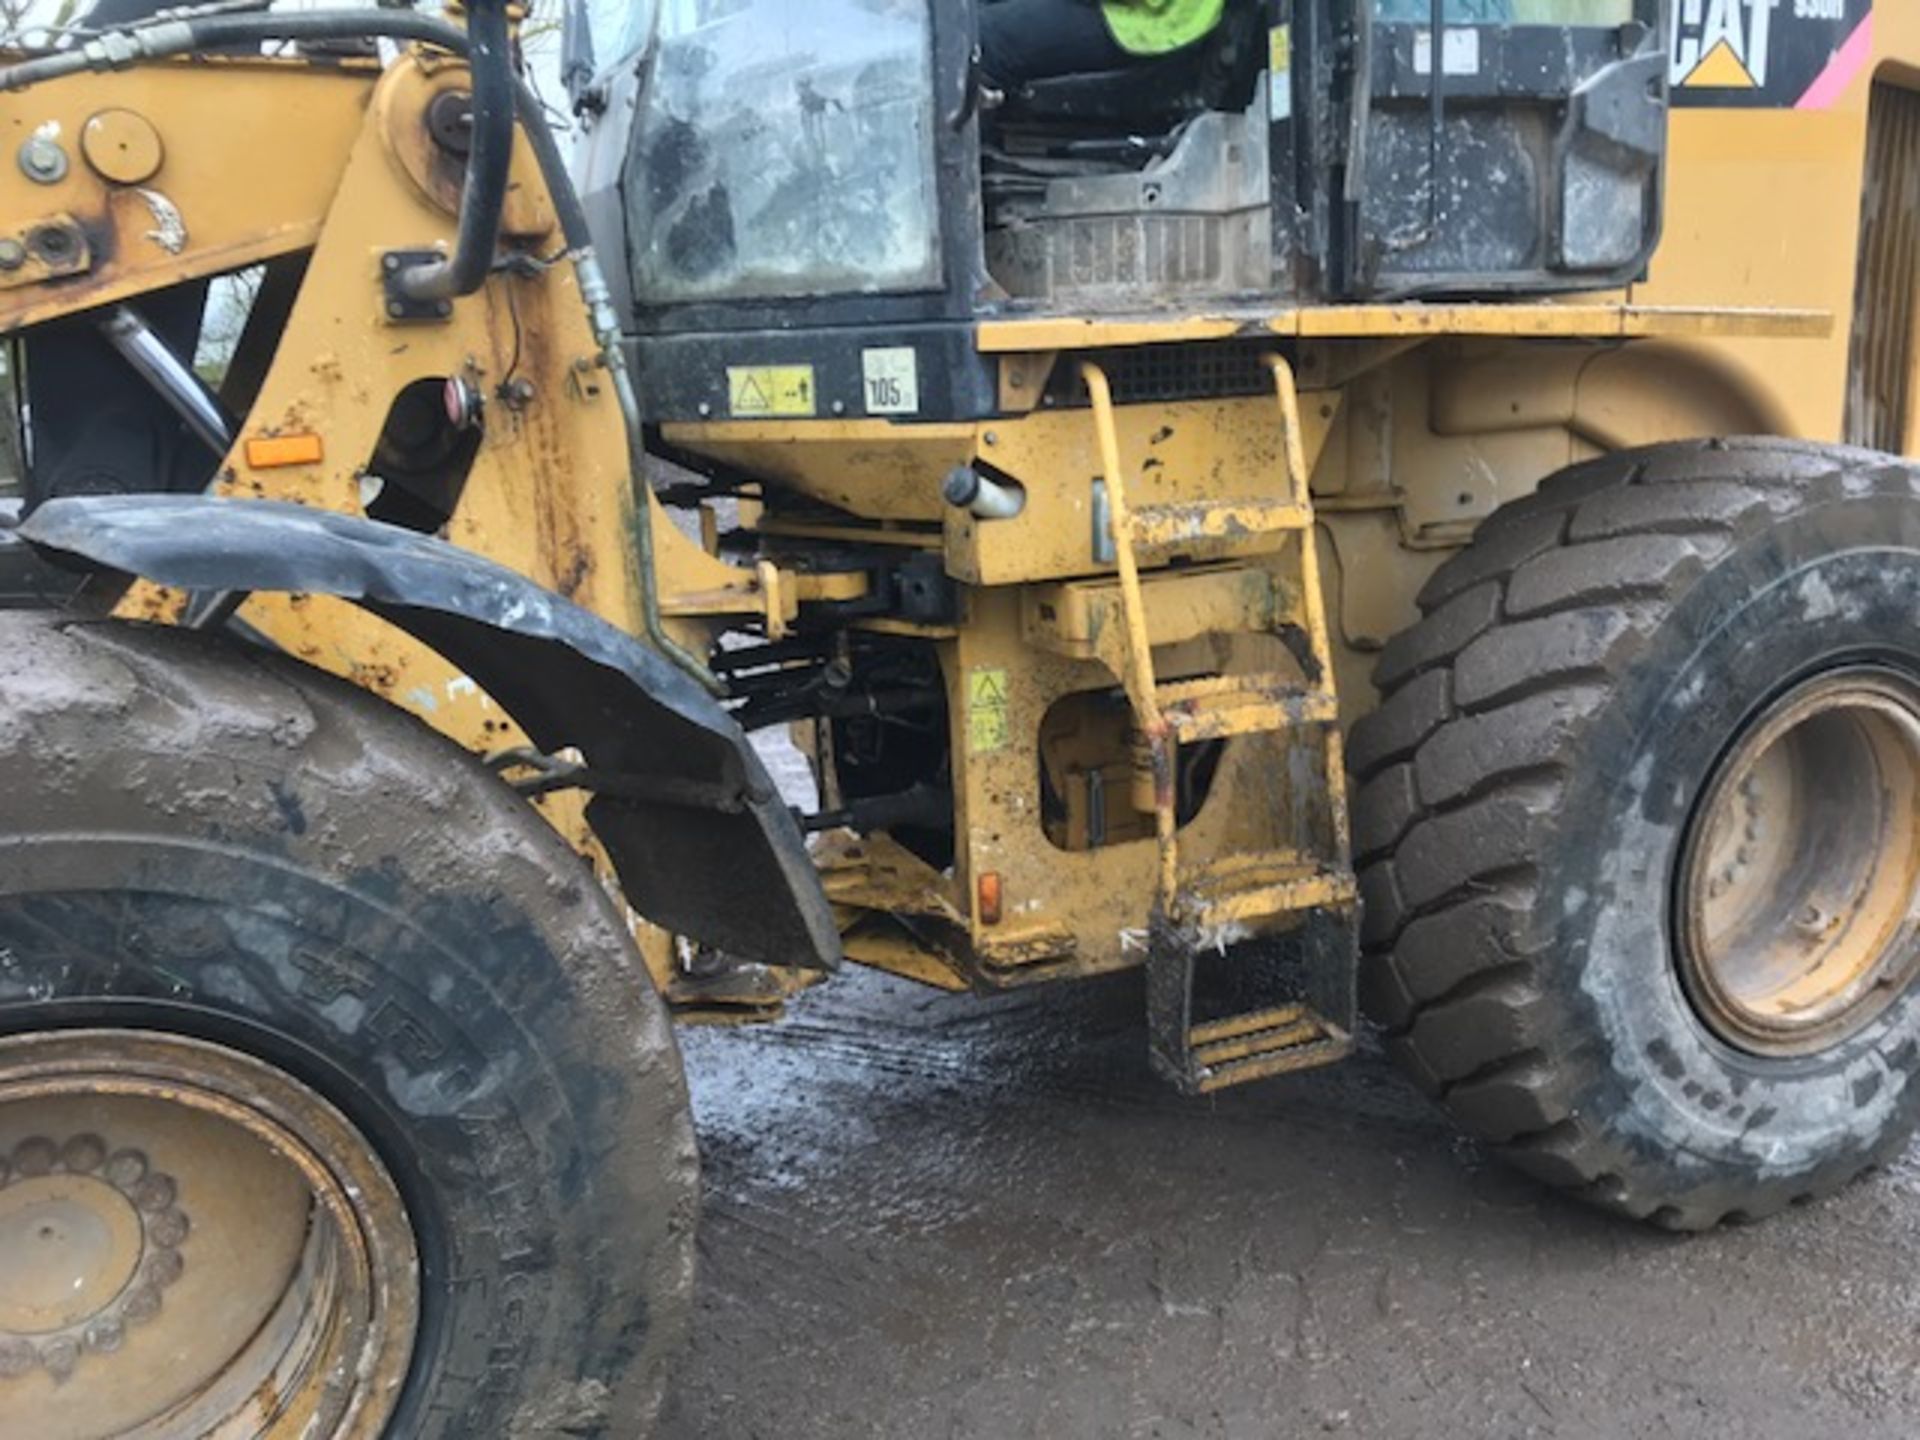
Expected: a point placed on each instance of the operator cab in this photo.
(801, 186)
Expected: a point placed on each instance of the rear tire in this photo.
(226, 857)
(1548, 767)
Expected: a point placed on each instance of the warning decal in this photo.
(1768, 54)
(757, 392)
(987, 698)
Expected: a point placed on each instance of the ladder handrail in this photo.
(1141, 683)
(1313, 600)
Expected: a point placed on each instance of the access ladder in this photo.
(1199, 909)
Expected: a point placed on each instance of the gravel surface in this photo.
(940, 1216)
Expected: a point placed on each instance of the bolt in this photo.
(60, 1357)
(443, 308)
(990, 438)
(396, 309)
(141, 1305)
(34, 1156)
(390, 263)
(705, 409)
(43, 161)
(12, 254)
(839, 407)
(127, 1168)
(106, 1336)
(55, 243)
(155, 1193)
(163, 1267)
(83, 1154)
(168, 1229)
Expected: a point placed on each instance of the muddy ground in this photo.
(934, 1216)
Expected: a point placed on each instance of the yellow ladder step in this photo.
(1315, 1044)
(1220, 706)
(1262, 890)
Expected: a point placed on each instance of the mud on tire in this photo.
(1523, 793)
(226, 845)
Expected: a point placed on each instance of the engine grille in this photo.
(1880, 369)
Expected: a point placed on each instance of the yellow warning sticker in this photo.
(987, 727)
(758, 392)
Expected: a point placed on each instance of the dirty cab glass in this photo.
(785, 147)
(1508, 12)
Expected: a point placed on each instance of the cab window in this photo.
(785, 147)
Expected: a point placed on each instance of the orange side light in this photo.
(270, 452)
(990, 903)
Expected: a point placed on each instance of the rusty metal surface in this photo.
(736, 877)
(195, 1244)
(1800, 888)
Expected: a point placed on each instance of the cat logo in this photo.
(1775, 54)
(1722, 44)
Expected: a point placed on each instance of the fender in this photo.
(687, 812)
(28, 581)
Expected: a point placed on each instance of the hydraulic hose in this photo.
(490, 61)
(163, 39)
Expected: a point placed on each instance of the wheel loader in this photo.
(1394, 506)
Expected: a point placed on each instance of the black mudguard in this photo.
(703, 845)
(28, 581)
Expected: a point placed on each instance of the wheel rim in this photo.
(1800, 884)
(191, 1243)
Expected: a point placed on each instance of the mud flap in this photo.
(703, 845)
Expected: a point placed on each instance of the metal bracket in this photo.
(402, 308)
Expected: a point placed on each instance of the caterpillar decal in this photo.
(1768, 54)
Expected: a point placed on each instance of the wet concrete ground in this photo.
(933, 1216)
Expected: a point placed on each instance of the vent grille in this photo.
(1203, 371)
(1880, 369)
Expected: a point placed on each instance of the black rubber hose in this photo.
(489, 59)
(158, 39)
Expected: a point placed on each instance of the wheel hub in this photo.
(71, 1245)
(191, 1243)
(1800, 879)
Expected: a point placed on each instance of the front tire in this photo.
(263, 935)
(1637, 820)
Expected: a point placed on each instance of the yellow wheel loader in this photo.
(1395, 499)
